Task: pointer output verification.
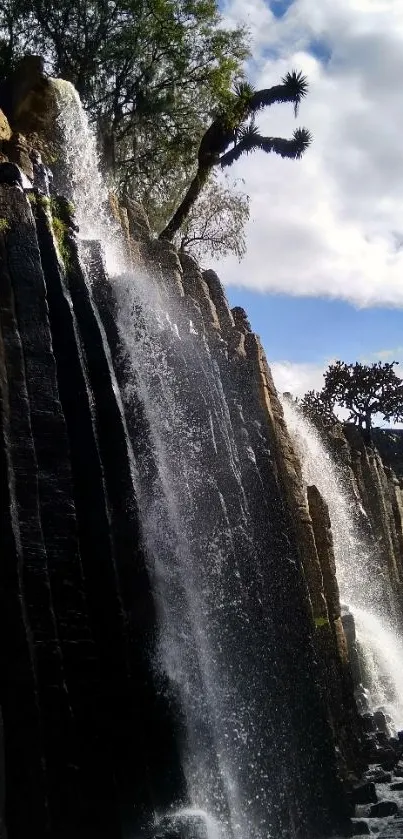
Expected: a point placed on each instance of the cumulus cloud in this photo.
(332, 223)
(387, 355)
(297, 378)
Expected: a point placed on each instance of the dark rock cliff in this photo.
(371, 472)
(78, 696)
(389, 442)
(92, 734)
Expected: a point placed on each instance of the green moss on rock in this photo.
(60, 230)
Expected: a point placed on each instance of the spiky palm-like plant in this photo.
(234, 133)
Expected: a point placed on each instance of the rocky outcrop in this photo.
(389, 442)
(5, 130)
(78, 615)
(336, 650)
(376, 488)
(93, 730)
(28, 102)
(312, 532)
(271, 477)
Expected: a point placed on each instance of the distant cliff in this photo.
(372, 471)
(389, 442)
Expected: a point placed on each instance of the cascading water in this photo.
(235, 653)
(362, 588)
(382, 654)
(80, 177)
(191, 544)
(199, 543)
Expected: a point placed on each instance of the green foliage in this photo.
(60, 231)
(4, 224)
(365, 390)
(215, 224)
(321, 622)
(150, 73)
(60, 207)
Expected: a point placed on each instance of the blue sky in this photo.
(323, 276)
(302, 335)
(313, 329)
(279, 7)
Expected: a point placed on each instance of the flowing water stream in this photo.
(197, 532)
(221, 640)
(362, 588)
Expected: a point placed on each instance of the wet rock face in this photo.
(380, 495)
(383, 808)
(82, 714)
(92, 735)
(86, 720)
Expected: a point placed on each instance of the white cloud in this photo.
(388, 355)
(297, 378)
(332, 223)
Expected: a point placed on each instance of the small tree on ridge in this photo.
(365, 390)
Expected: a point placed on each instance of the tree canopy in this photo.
(319, 409)
(364, 389)
(215, 225)
(163, 83)
(149, 72)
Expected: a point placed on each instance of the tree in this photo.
(365, 390)
(319, 409)
(234, 127)
(149, 72)
(215, 224)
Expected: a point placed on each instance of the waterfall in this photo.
(80, 178)
(382, 654)
(211, 593)
(362, 586)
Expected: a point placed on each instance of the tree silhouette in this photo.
(235, 127)
(365, 390)
(319, 409)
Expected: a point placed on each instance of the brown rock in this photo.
(139, 226)
(18, 152)
(5, 130)
(324, 544)
(28, 100)
(241, 319)
(159, 254)
(220, 301)
(196, 287)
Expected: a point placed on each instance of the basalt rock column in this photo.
(337, 675)
(87, 731)
(278, 465)
(52, 583)
(243, 511)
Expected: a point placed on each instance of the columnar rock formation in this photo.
(92, 731)
(376, 495)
